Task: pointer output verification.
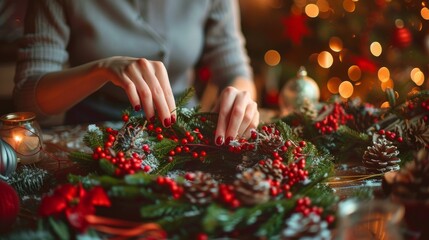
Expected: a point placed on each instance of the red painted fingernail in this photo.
(219, 140)
(167, 122)
(137, 108)
(152, 119)
(173, 119)
(228, 140)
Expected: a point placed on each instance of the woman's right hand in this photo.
(146, 84)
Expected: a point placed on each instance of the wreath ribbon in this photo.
(122, 229)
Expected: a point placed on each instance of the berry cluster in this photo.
(333, 120)
(124, 164)
(390, 135)
(304, 206)
(292, 173)
(175, 189)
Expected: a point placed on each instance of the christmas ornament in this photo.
(295, 28)
(9, 206)
(402, 37)
(296, 91)
(8, 160)
(381, 157)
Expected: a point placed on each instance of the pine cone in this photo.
(269, 142)
(381, 157)
(417, 133)
(271, 171)
(202, 189)
(308, 110)
(251, 187)
(412, 181)
(299, 226)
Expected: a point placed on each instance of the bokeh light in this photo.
(336, 44)
(325, 59)
(312, 10)
(333, 84)
(272, 57)
(349, 5)
(417, 76)
(387, 84)
(376, 49)
(385, 105)
(383, 74)
(323, 5)
(354, 73)
(425, 13)
(346, 89)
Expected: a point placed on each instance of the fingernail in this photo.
(137, 108)
(219, 140)
(152, 119)
(228, 140)
(173, 119)
(167, 122)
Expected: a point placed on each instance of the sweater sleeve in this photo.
(224, 49)
(42, 50)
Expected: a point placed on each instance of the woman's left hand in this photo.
(238, 115)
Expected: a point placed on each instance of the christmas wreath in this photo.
(145, 180)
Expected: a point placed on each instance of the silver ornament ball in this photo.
(297, 90)
(8, 159)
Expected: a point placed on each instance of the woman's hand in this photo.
(238, 114)
(146, 84)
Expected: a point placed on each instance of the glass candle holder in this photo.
(375, 219)
(23, 133)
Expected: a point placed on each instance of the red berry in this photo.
(125, 118)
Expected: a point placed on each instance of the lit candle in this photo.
(23, 133)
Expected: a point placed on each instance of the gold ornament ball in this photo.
(296, 91)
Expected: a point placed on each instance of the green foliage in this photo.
(107, 167)
(28, 179)
(168, 208)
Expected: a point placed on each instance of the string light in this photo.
(376, 49)
(333, 84)
(325, 59)
(272, 57)
(417, 76)
(424, 12)
(354, 73)
(383, 74)
(312, 10)
(349, 6)
(346, 89)
(336, 44)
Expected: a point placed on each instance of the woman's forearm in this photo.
(57, 92)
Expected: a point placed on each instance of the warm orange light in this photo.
(425, 13)
(346, 89)
(376, 49)
(272, 57)
(312, 10)
(333, 84)
(385, 105)
(417, 76)
(336, 44)
(383, 74)
(323, 5)
(325, 59)
(349, 5)
(387, 84)
(354, 73)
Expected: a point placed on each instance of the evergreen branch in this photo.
(186, 96)
(28, 180)
(81, 157)
(169, 208)
(162, 148)
(167, 166)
